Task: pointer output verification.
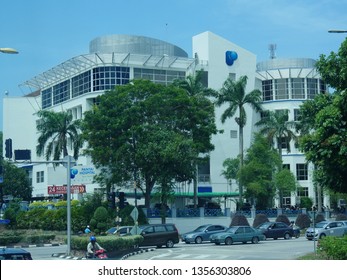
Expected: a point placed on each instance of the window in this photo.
(61, 92)
(164, 77)
(301, 172)
(81, 84)
(312, 88)
(46, 98)
(267, 90)
(322, 87)
(106, 78)
(298, 88)
(40, 177)
(233, 134)
(302, 192)
(284, 143)
(160, 229)
(281, 89)
(286, 166)
(297, 115)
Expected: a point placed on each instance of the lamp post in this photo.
(8, 50)
(337, 31)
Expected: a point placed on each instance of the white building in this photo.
(116, 59)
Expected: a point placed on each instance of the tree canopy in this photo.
(233, 94)
(148, 129)
(55, 128)
(324, 124)
(16, 182)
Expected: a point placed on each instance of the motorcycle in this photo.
(98, 254)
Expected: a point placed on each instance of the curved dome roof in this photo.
(134, 45)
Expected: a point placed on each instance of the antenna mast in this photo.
(272, 49)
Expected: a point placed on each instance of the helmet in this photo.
(92, 239)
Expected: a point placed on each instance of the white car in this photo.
(326, 228)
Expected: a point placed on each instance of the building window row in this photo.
(102, 78)
(292, 88)
(164, 77)
(105, 78)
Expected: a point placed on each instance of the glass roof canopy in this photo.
(82, 63)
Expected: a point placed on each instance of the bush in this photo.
(100, 221)
(239, 220)
(283, 218)
(341, 217)
(260, 219)
(334, 248)
(319, 218)
(303, 221)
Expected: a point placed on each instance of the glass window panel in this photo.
(281, 89)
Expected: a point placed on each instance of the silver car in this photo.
(202, 233)
(326, 228)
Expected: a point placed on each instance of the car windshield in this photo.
(320, 225)
(200, 228)
(265, 225)
(232, 229)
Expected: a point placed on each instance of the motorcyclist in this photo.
(92, 247)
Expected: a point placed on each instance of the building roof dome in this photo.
(134, 45)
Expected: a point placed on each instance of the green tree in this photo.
(16, 182)
(278, 128)
(323, 124)
(55, 128)
(256, 175)
(193, 85)
(233, 93)
(232, 167)
(333, 68)
(141, 131)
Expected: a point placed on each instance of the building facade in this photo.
(117, 59)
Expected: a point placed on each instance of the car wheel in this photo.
(255, 240)
(198, 240)
(169, 243)
(297, 235)
(322, 236)
(287, 235)
(228, 241)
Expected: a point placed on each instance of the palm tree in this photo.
(233, 93)
(55, 128)
(194, 87)
(275, 126)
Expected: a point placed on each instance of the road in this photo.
(266, 250)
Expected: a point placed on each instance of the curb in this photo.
(63, 256)
(32, 245)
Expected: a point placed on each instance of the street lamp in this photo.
(337, 31)
(8, 50)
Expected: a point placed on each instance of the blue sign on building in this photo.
(230, 57)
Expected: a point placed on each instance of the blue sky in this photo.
(47, 33)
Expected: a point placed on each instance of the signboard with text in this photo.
(63, 189)
(81, 174)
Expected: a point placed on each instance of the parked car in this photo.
(234, 234)
(326, 228)
(14, 254)
(159, 235)
(276, 230)
(201, 233)
(121, 231)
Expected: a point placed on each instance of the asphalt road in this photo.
(266, 250)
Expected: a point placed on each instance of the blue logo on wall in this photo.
(230, 57)
(73, 173)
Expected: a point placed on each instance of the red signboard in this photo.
(63, 189)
